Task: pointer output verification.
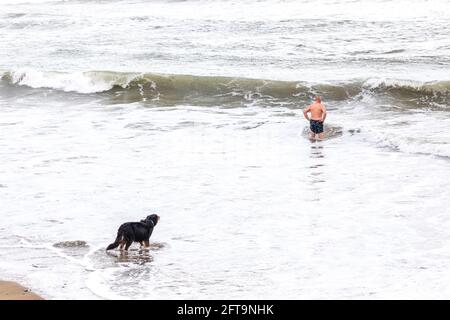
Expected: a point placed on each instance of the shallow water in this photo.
(250, 207)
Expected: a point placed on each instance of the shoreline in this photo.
(10, 290)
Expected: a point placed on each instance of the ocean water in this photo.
(112, 110)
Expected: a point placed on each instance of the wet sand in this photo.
(13, 291)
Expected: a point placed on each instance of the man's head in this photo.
(318, 100)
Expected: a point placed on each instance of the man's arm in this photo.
(305, 112)
(324, 113)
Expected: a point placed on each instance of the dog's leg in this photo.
(142, 243)
(129, 242)
(122, 244)
(147, 243)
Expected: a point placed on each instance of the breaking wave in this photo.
(169, 89)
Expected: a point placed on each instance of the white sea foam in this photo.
(100, 283)
(82, 82)
(250, 207)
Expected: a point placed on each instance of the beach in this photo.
(13, 291)
(193, 110)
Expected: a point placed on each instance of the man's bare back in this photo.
(317, 111)
(318, 115)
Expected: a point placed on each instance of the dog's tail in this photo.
(116, 242)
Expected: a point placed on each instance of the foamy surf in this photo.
(110, 110)
(82, 82)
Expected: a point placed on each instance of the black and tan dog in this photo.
(135, 231)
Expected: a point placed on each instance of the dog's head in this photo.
(153, 218)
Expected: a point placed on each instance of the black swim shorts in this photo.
(316, 126)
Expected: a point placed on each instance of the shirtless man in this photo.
(318, 115)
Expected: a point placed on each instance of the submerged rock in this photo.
(71, 244)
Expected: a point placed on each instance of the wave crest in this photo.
(128, 87)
